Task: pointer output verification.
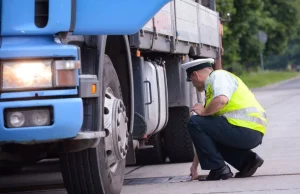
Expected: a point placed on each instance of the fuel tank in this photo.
(82, 17)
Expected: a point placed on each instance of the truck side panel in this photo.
(186, 20)
(157, 34)
(162, 21)
(208, 25)
(194, 26)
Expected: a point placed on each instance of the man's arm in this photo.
(216, 104)
(223, 86)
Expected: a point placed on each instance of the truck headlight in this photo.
(35, 74)
(39, 74)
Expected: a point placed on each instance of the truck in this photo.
(99, 85)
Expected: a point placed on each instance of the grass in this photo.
(259, 79)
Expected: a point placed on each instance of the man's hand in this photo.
(194, 172)
(215, 105)
(194, 168)
(198, 108)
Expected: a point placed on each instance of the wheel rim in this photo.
(115, 125)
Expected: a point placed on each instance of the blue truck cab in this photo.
(49, 85)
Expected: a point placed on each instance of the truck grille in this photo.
(41, 15)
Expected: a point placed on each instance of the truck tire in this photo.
(177, 140)
(155, 155)
(100, 170)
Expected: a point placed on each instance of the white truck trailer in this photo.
(182, 30)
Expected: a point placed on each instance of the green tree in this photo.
(290, 56)
(230, 43)
(278, 18)
(281, 21)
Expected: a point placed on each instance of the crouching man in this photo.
(230, 124)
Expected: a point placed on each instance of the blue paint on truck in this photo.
(87, 17)
(31, 94)
(22, 47)
(68, 118)
(18, 17)
(114, 16)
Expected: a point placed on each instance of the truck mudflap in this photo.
(66, 117)
(84, 17)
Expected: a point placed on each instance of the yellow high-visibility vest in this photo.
(242, 109)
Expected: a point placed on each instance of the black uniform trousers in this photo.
(217, 141)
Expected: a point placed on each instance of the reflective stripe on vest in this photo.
(242, 114)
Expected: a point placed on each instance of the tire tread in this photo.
(178, 142)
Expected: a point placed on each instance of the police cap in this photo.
(196, 65)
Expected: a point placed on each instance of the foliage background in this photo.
(278, 18)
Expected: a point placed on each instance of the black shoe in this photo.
(250, 167)
(223, 173)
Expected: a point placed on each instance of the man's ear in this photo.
(195, 73)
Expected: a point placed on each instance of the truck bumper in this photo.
(67, 121)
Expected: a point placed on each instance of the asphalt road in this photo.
(280, 150)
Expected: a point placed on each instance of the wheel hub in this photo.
(115, 125)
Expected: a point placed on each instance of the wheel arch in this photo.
(117, 48)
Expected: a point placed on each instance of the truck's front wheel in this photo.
(100, 170)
